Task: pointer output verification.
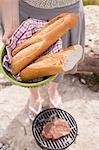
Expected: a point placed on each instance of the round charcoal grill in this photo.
(46, 116)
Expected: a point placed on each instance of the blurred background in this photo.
(91, 2)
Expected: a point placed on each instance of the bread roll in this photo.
(53, 64)
(42, 41)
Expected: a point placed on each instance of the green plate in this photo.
(9, 76)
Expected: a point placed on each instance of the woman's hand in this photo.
(6, 38)
(8, 33)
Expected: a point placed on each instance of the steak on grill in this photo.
(56, 129)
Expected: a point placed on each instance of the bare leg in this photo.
(34, 98)
(54, 96)
(34, 103)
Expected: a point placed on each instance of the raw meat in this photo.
(56, 129)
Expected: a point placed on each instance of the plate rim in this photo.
(26, 85)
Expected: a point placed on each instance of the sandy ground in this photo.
(82, 103)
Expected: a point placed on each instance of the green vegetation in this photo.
(91, 2)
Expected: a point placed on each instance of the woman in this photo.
(19, 10)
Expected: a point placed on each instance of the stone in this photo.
(82, 81)
(1, 145)
(5, 146)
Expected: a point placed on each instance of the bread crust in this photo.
(53, 64)
(37, 44)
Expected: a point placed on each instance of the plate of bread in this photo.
(10, 77)
(35, 71)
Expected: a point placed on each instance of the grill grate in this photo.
(46, 116)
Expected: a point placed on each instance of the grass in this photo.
(91, 2)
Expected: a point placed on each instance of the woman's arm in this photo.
(10, 18)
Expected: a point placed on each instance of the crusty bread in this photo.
(47, 28)
(53, 64)
(42, 41)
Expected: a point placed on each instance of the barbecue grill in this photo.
(46, 116)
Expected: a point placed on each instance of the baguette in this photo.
(53, 64)
(47, 28)
(42, 41)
